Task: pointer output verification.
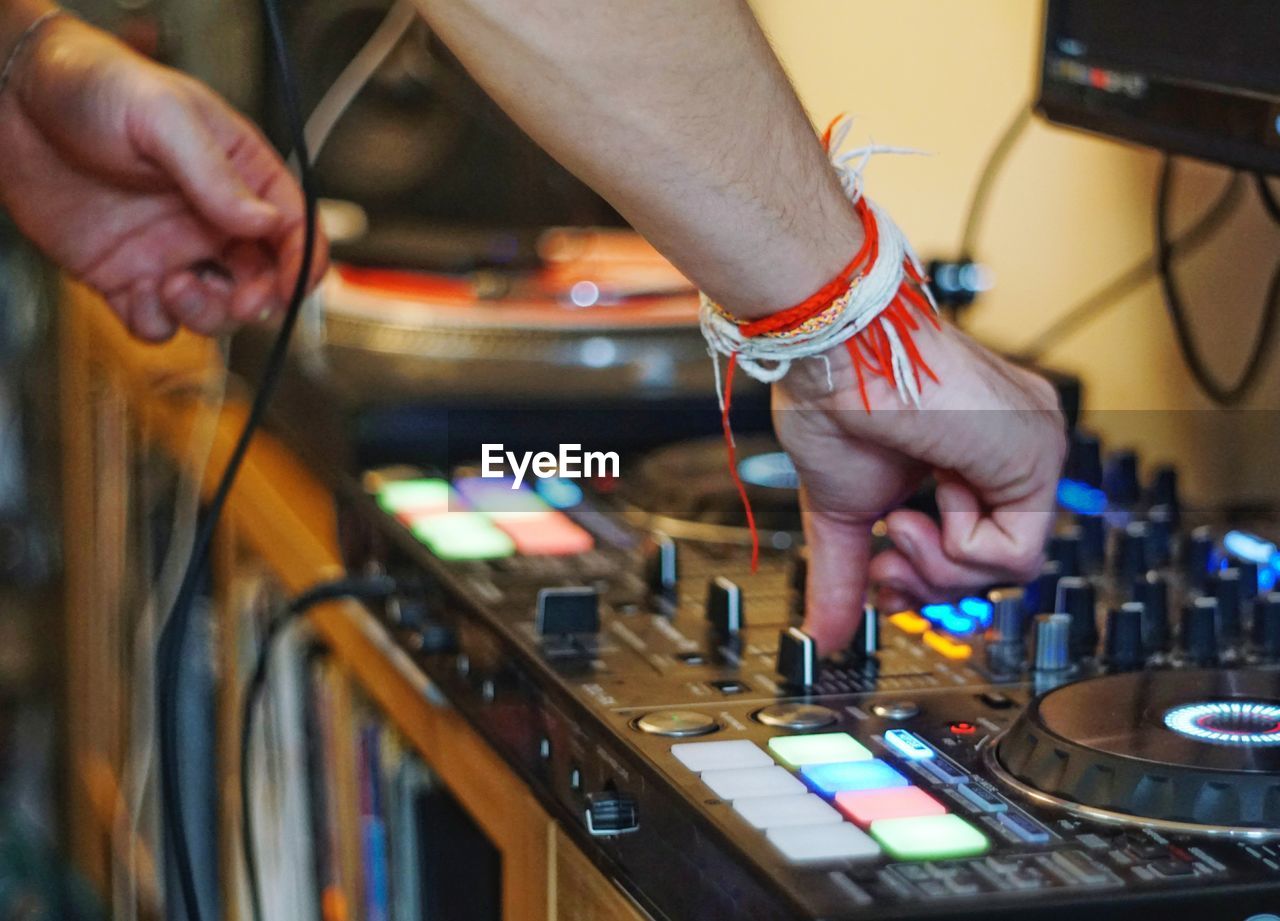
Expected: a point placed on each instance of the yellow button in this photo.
(946, 646)
(909, 622)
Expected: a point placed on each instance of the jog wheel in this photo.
(1194, 751)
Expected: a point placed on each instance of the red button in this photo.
(962, 728)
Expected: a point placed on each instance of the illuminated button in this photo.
(867, 806)
(742, 783)
(935, 837)
(962, 728)
(907, 744)
(783, 811)
(498, 497)
(545, 534)
(415, 497)
(909, 622)
(830, 779)
(947, 647)
(717, 756)
(1023, 828)
(819, 843)
(944, 771)
(982, 800)
(462, 536)
(823, 748)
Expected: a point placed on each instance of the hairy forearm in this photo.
(680, 115)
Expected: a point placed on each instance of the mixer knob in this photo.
(1160, 528)
(1052, 639)
(1043, 592)
(1248, 581)
(1200, 631)
(866, 641)
(797, 657)
(1152, 591)
(1120, 481)
(1078, 599)
(1163, 492)
(567, 611)
(1197, 558)
(1084, 459)
(1124, 637)
(1065, 550)
(1131, 552)
(661, 565)
(1004, 639)
(1266, 626)
(1225, 586)
(1093, 542)
(724, 607)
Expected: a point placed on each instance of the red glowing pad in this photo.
(545, 534)
(867, 806)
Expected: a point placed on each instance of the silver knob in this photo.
(1004, 638)
(1052, 639)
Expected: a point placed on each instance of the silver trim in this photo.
(1108, 817)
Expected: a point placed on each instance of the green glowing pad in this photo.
(463, 536)
(930, 837)
(420, 496)
(822, 748)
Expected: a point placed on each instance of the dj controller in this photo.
(1105, 739)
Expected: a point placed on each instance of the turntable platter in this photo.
(1194, 747)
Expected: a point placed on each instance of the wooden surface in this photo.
(282, 515)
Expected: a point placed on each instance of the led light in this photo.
(977, 608)
(830, 779)
(1227, 722)
(559, 492)
(1249, 547)
(867, 806)
(415, 497)
(545, 534)
(1075, 496)
(909, 622)
(907, 744)
(933, 837)
(496, 498)
(947, 647)
(949, 618)
(821, 748)
(462, 536)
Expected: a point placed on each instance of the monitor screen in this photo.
(1195, 78)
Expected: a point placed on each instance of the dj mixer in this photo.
(1106, 739)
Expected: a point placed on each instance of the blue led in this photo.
(558, 492)
(1246, 546)
(907, 744)
(977, 608)
(1079, 497)
(950, 618)
(830, 779)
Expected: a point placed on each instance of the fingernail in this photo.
(260, 210)
(905, 544)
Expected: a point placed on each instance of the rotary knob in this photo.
(1266, 626)
(1120, 481)
(1005, 648)
(1052, 643)
(1131, 552)
(1225, 587)
(1084, 459)
(1124, 637)
(1163, 492)
(1200, 631)
(1152, 591)
(1197, 558)
(1064, 549)
(1078, 599)
(1093, 542)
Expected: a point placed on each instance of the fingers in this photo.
(839, 551)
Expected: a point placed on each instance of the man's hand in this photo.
(143, 184)
(991, 433)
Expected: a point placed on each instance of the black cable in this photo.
(177, 626)
(986, 181)
(1222, 394)
(1269, 200)
(1134, 277)
(371, 588)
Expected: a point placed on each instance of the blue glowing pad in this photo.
(830, 779)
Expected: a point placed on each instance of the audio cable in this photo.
(373, 588)
(177, 626)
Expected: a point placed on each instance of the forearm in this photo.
(680, 115)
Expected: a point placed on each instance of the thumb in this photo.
(839, 555)
(174, 135)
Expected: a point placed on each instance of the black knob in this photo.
(1005, 647)
(1200, 631)
(1225, 587)
(1197, 558)
(1041, 594)
(1163, 491)
(724, 607)
(1131, 552)
(866, 640)
(1266, 626)
(611, 812)
(1124, 637)
(1160, 530)
(661, 565)
(565, 611)
(1077, 598)
(1120, 480)
(1084, 459)
(1093, 542)
(1152, 591)
(1248, 580)
(1065, 550)
(797, 657)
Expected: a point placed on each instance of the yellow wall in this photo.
(1068, 212)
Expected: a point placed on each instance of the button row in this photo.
(836, 803)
